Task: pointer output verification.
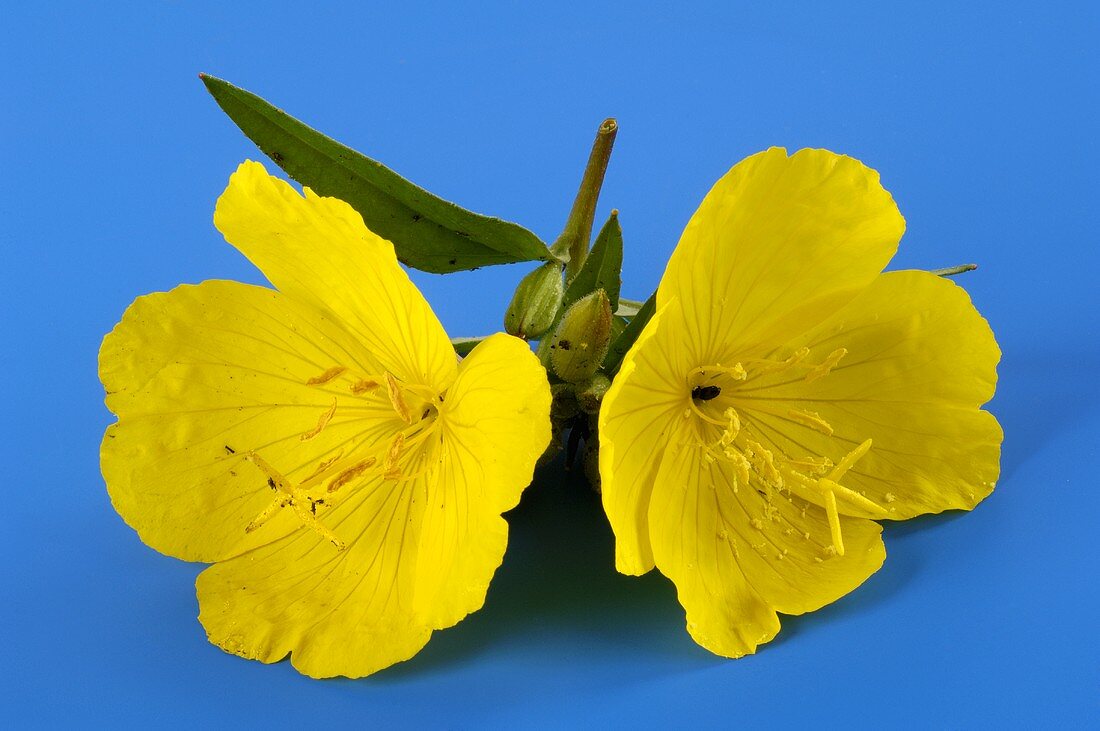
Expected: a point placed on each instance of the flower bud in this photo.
(581, 339)
(535, 303)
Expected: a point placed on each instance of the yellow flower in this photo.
(319, 441)
(785, 393)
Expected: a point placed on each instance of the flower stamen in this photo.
(822, 369)
(321, 423)
(326, 376)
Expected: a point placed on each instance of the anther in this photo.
(326, 376)
(396, 399)
(834, 522)
(364, 385)
(321, 423)
(394, 452)
(822, 369)
(351, 473)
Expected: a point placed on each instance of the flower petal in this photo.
(198, 377)
(920, 362)
(637, 417)
(341, 612)
(318, 250)
(738, 554)
(778, 244)
(419, 554)
(496, 424)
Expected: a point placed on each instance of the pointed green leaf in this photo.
(428, 232)
(621, 344)
(603, 267)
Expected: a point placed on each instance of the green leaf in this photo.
(603, 267)
(428, 232)
(621, 344)
(628, 308)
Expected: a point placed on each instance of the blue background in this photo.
(983, 122)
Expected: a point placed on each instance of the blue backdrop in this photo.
(983, 122)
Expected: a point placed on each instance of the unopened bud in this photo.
(535, 303)
(580, 341)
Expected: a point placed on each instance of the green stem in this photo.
(577, 233)
(952, 271)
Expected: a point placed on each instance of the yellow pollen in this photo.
(822, 369)
(811, 419)
(394, 452)
(321, 423)
(393, 474)
(396, 399)
(813, 465)
(326, 376)
(364, 385)
(733, 427)
(351, 473)
(764, 463)
(891, 497)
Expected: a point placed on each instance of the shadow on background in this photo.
(559, 577)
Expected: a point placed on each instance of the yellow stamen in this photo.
(774, 366)
(326, 376)
(733, 427)
(321, 423)
(351, 473)
(291, 496)
(274, 478)
(811, 419)
(850, 496)
(699, 412)
(364, 385)
(849, 460)
(834, 522)
(764, 463)
(396, 399)
(265, 515)
(394, 452)
(736, 371)
(813, 465)
(822, 369)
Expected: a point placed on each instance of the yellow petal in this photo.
(778, 244)
(920, 363)
(496, 424)
(201, 375)
(737, 554)
(341, 612)
(318, 250)
(420, 553)
(638, 417)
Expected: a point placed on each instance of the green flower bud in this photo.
(580, 340)
(536, 302)
(590, 393)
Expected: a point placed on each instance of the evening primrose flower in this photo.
(319, 441)
(786, 393)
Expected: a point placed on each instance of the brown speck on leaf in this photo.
(565, 344)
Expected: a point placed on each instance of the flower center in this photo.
(406, 455)
(716, 393)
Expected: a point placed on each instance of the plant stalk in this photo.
(577, 234)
